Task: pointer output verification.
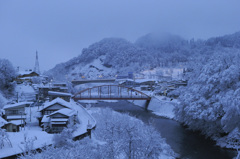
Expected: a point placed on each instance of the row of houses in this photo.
(53, 103)
(144, 85)
(159, 87)
(53, 116)
(52, 100)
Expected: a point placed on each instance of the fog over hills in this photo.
(113, 56)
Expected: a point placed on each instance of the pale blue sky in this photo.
(60, 29)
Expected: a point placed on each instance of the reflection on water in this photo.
(188, 144)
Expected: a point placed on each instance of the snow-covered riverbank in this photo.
(160, 105)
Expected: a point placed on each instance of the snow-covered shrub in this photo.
(37, 80)
(28, 143)
(4, 139)
(64, 139)
(176, 93)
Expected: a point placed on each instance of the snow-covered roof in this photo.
(26, 72)
(17, 122)
(57, 100)
(48, 86)
(66, 88)
(24, 78)
(16, 117)
(17, 105)
(145, 80)
(60, 83)
(45, 119)
(2, 122)
(59, 93)
(64, 111)
(58, 122)
(58, 119)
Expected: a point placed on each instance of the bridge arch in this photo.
(111, 92)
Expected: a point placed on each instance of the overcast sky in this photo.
(60, 29)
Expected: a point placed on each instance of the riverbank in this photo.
(159, 105)
(186, 143)
(163, 107)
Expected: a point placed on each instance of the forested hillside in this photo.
(211, 101)
(112, 56)
(122, 56)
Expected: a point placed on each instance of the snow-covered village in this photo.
(119, 79)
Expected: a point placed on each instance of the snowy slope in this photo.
(25, 92)
(92, 70)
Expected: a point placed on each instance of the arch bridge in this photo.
(111, 92)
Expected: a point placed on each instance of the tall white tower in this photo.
(36, 68)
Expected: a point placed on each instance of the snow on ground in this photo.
(32, 114)
(92, 70)
(160, 105)
(25, 92)
(88, 101)
(84, 117)
(21, 88)
(42, 138)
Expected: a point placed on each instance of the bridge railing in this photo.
(111, 92)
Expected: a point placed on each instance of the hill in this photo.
(116, 56)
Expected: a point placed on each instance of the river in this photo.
(188, 144)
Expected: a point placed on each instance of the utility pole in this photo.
(30, 112)
(17, 97)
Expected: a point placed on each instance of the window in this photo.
(47, 112)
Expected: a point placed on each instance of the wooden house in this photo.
(58, 120)
(54, 105)
(15, 116)
(14, 125)
(16, 111)
(26, 76)
(55, 115)
(3, 122)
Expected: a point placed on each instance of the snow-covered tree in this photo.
(7, 75)
(116, 136)
(3, 101)
(124, 136)
(210, 102)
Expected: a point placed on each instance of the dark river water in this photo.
(188, 144)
